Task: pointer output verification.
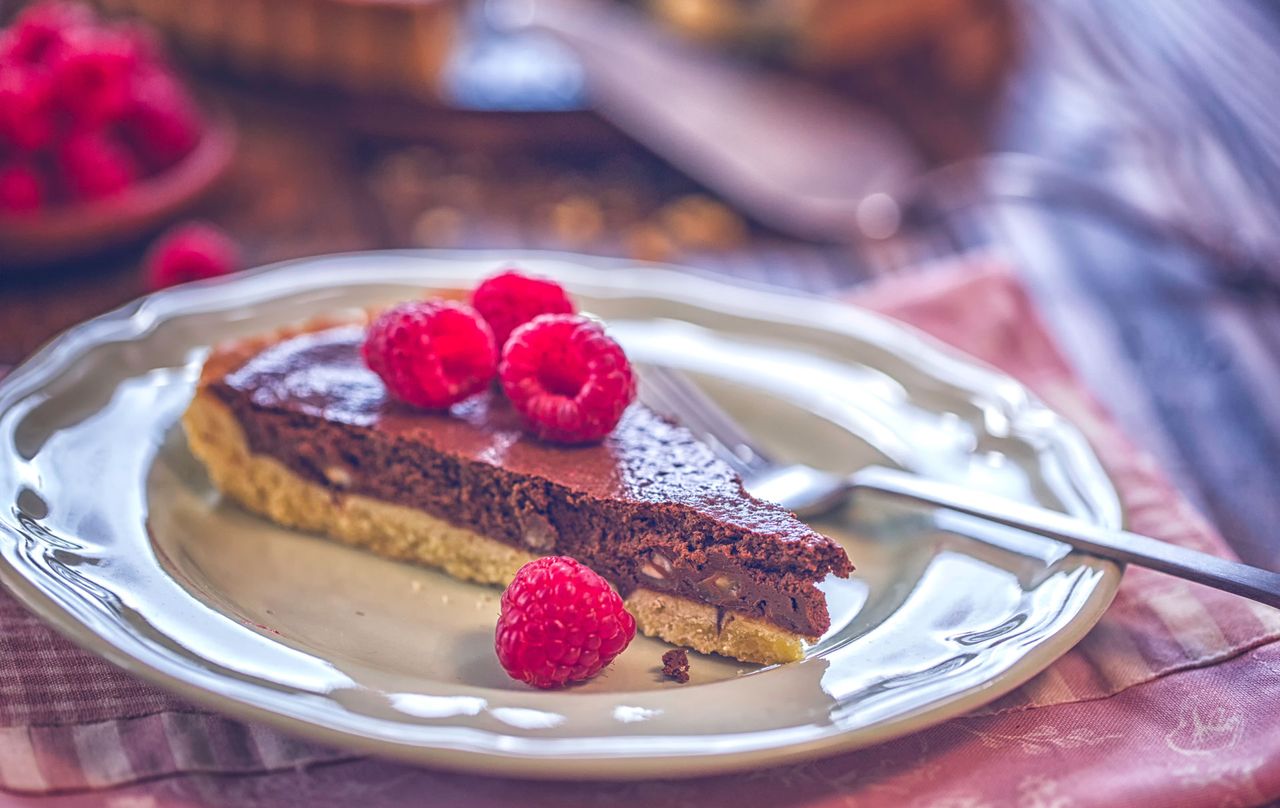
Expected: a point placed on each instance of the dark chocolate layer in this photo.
(650, 506)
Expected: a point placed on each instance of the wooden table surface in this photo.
(1183, 348)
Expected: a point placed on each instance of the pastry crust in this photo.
(705, 628)
(267, 487)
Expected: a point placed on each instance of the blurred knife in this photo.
(795, 157)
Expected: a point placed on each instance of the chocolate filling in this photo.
(650, 507)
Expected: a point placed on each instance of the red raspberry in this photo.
(162, 121)
(431, 353)
(41, 30)
(560, 623)
(509, 300)
(26, 107)
(190, 252)
(91, 76)
(21, 189)
(147, 48)
(96, 165)
(567, 378)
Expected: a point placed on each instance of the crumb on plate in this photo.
(675, 665)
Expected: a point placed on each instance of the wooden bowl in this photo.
(76, 230)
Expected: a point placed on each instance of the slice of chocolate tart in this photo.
(296, 428)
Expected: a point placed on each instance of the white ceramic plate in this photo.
(110, 531)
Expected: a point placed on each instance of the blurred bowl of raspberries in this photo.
(100, 141)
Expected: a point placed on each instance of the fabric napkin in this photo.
(1171, 700)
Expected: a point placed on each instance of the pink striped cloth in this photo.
(1172, 700)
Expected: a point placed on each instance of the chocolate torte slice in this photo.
(296, 428)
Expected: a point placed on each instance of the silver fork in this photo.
(810, 492)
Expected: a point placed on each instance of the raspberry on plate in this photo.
(161, 119)
(26, 107)
(21, 189)
(431, 353)
(145, 46)
(42, 29)
(96, 165)
(94, 108)
(190, 252)
(560, 623)
(568, 379)
(510, 299)
(92, 77)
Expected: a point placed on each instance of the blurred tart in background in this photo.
(358, 45)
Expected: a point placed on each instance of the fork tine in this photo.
(670, 392)
(690, 401)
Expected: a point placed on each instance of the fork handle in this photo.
(1257, 584)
